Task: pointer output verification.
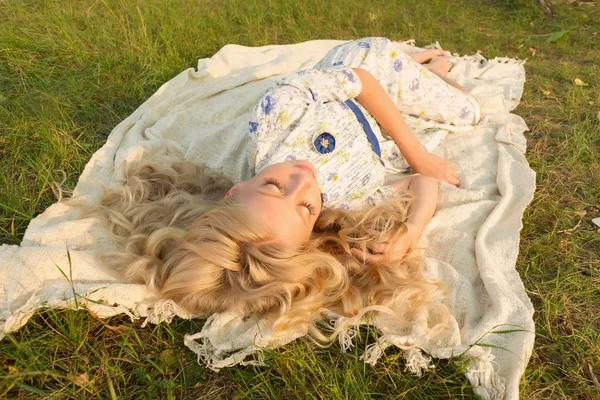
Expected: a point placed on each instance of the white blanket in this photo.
(471, 244)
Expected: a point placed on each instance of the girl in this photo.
(316, 229)
(330, 117)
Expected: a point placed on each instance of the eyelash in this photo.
(275, 183)
(278, 185)
(309, 206)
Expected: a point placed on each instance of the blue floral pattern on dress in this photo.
(267, 104)
(371, 201)
(350, 76)
(464, 113)
(414, 85)
(253, 126)
(398, 65)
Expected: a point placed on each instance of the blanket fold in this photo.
(201, 116)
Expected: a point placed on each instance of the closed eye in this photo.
(309, 207)
(275, 183)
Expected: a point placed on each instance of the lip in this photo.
(308, 169)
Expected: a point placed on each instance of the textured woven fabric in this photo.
(202, 115)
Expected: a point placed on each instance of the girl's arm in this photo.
(377, 102)
(425, 191)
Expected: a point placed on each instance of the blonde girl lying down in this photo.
(315, 230)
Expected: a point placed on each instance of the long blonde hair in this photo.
(180, 237)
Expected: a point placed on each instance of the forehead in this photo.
(278, 215)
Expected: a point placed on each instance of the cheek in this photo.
(290, 227)
(300, 236)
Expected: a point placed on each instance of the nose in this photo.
(301, 183)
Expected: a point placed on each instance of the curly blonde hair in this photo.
(178, 236)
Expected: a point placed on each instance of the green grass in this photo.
(72, 70)
(72, 354)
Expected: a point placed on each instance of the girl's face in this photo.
(286, 197)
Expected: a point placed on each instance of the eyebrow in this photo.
(279, 196)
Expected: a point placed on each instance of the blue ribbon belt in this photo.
(366, 127)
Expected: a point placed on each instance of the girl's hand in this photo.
(425, 190)
(390, 252)
(437, 167)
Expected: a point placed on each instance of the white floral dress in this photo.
(313, 115)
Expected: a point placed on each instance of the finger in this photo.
(454, 180)
(399, 254)
(378, 247)
(455, 177)
(365, 257)
(452, 175)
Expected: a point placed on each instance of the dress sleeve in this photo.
(326, 84)
(284, 104)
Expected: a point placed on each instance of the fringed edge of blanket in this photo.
(246, 339)
(76, 297)
(477, 361)
(474, 58)
(479, 59)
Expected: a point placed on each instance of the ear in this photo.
(231, 191)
